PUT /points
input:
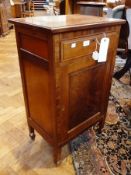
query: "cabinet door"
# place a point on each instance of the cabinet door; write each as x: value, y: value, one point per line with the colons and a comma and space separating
x: 83, y: 89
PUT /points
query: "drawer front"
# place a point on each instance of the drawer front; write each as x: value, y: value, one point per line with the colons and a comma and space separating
x: 76, y: 48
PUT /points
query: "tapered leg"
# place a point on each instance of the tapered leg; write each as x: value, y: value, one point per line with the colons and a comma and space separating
x: 31, y: 133
x: 101, y: 125
x: 57, y: 155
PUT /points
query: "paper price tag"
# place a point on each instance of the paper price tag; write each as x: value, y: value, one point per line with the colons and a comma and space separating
x: 103, y: 50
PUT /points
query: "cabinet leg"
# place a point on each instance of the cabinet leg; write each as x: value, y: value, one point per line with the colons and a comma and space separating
x: 31, y: 133
x: 57, y: 155
x: 101, y: 125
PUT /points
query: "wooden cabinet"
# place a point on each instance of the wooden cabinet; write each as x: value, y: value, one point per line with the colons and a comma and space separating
x: 18, y: 8
x: 4, y: 28
x: 66, y: 91
x: 8, y: 8
x: 128, y: 3
x: 90, y: 8
x: 79, y: 6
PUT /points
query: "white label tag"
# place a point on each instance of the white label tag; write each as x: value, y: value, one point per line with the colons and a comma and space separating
x: 73, y: 45
x: 103, y: 49
x: 86, y: 43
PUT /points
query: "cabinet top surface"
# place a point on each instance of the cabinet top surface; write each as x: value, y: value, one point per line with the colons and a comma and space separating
x: 64, y: 23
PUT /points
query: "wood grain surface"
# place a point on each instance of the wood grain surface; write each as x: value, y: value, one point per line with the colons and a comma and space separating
x: 64, y: 23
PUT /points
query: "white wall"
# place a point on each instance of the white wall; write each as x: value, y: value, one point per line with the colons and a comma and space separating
x: 129, y: 21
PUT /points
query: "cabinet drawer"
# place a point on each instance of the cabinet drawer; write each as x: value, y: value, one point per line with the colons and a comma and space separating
x: 76, y: 48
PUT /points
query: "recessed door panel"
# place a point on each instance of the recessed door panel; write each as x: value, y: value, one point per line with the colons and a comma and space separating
x: 85, y: 94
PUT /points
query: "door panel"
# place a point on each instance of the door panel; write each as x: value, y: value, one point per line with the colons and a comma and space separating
x: 82, y: 91
x: 85, y: 94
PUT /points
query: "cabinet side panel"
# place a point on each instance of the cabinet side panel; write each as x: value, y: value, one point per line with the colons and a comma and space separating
x: 35, y: 45
x: 38, y: 95
x: 34, y: 63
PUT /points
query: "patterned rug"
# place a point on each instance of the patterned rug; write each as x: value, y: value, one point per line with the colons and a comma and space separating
x: 108, y: 153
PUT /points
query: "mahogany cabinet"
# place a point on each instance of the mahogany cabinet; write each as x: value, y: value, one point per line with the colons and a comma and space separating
x: 66, y: 91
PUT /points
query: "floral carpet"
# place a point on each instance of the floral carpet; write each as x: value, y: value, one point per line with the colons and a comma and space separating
x: 108, y: 153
